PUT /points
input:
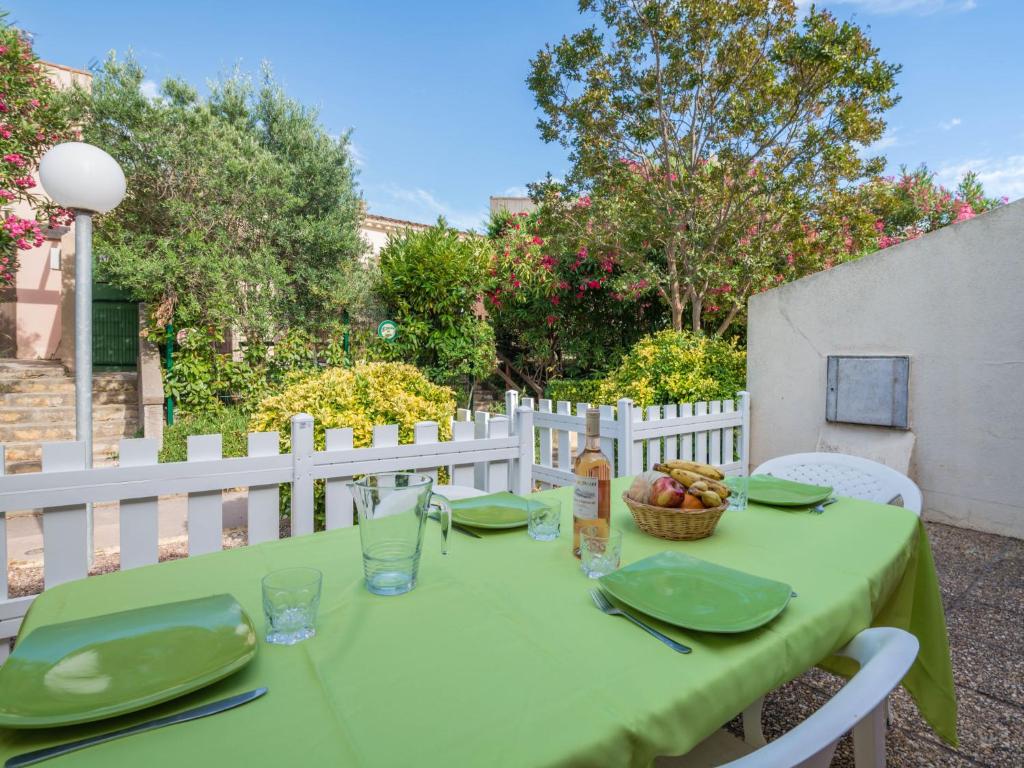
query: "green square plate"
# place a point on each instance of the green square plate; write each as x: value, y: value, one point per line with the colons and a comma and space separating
x: 91, y: 669
x: 496, y: 510
x: 778, y: 492
x: 695, y: 594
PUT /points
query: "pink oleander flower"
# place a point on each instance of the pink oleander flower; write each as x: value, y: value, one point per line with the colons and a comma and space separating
x: 593, y: 284
x: 7, y: 195
x: 6, y: 132
x: 550, y: 320
x: 556, y: 300
x: 15, y: 159
x: 537, y: 241
x: 25, y: 182
x: 583, y: 202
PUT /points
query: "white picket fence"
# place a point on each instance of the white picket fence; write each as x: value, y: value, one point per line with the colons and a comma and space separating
x: 485, y: 451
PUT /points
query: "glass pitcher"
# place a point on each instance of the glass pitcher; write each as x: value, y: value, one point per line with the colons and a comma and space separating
x: 393, y: 508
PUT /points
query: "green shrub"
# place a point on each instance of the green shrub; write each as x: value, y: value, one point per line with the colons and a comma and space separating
x: 230, y: 422
x: 430, y: 283
x: 674, y: 367
x: 573, y: 390
x: 358, y: 397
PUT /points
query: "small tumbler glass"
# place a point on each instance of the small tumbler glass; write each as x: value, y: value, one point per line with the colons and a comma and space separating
x: 544, y: 519
x: 600, y: 550
x: 290, y: 600
x: 738, y: 493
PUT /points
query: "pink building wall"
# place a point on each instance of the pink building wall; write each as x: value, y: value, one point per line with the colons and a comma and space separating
x: 44, y: 294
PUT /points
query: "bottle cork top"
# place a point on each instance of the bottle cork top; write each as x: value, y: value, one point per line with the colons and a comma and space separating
x: 593, y: 422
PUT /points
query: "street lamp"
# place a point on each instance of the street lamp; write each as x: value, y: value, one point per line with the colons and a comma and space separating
x: 86, y: 180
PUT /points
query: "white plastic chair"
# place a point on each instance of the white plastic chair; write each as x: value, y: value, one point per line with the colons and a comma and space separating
x: 848, y: 475
x: 885, y: 654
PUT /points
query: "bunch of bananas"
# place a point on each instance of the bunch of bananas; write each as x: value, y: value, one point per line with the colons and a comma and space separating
x: 701, y: 481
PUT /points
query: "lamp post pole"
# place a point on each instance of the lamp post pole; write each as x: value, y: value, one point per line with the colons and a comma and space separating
x: 83, y: 333
x: 86, y: 180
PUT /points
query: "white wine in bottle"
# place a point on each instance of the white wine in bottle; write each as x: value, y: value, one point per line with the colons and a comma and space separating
x: 591, y: 501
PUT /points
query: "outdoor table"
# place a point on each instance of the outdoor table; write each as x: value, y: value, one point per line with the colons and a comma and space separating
x: 498, y: 657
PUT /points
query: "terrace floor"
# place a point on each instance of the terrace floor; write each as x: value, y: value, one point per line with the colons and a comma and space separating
x: 982, y: 580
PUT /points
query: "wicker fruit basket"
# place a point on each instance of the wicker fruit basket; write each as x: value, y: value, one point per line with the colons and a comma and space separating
x: 675, y: 524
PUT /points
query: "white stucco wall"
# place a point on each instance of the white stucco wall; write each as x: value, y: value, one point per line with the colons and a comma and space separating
x: 953, y: 301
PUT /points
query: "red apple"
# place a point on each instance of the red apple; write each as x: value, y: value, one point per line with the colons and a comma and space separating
x: 667, y: 492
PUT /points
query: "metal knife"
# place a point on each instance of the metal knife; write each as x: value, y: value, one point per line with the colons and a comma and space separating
x: 30, y: 758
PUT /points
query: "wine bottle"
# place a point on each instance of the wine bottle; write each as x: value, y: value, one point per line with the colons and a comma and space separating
x: 591, y: 501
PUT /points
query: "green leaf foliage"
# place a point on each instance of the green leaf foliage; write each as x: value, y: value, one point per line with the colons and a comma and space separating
x: 241, y: 210
x: 676, y: 367
x: 430, y: 283
x: 358, y: 397
x: 231, y: 423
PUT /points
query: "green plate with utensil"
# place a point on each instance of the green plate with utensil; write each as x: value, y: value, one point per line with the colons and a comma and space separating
x: 496, y: 510
x: 778, y: 492
x: 100, y: 667
x: 695, y: 594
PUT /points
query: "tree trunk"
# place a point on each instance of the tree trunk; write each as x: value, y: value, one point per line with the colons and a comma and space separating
x: 696, y: 305
x: 675, y: 296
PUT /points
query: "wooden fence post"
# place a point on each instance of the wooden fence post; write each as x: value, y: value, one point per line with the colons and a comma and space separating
x: 511, y: 404
x: 65, y: 529
x: 139, y: 529
x: 745, y: 434
x: 206, y: 508
x: 263, y: 510
x: 337, y: 494
x: 624, y: 419
x: 523, y: 480
x: 302, y: 474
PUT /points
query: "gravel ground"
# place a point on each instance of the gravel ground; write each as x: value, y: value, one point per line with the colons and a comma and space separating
x: 982, y: 581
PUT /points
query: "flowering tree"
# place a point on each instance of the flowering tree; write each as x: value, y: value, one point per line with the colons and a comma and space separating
x: 725, y: 136
x: 30, y: 123
x: 559, y: 305
x: 912, y: 204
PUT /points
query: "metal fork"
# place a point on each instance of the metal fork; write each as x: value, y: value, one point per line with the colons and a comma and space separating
x: 602, y: 602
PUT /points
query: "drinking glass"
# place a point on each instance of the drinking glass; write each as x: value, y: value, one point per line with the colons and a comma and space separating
x: 290, y: 600
x: 738, y: 487
x: 543, y: 519
x: 600, y: 550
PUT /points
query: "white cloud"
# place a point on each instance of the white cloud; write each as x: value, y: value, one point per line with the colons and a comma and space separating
x: 150, y: 89
x: 358, y: 158
x: 423, y: 206
x: 516, y: 192
x: 948, y: 125
x: 999, y: 176
x: 886, y: 140
x: 919, y: 7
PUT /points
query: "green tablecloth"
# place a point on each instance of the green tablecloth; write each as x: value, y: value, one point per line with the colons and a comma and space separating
x: 499, y: 658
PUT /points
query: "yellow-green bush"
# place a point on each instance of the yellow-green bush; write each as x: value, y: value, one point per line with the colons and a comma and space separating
x: 358, y: 397
x: 673, y: 367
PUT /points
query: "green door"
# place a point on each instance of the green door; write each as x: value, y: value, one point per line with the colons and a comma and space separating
x: 115, y: 329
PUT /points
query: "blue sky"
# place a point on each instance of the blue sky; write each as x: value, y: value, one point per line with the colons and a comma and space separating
x: 436, y: 98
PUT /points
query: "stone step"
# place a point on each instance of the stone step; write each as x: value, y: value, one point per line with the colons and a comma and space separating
x: 64, y: 414
x: 27, y: 457
x: 46, y: 433
x: 57, y: 399
x: 65, y: 385
x: 30, y: 368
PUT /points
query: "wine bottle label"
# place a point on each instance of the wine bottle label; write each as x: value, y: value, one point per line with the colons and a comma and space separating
x: 584, y: 498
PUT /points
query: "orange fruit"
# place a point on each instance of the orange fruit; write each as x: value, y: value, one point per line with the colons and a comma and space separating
x: 692, y: 502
